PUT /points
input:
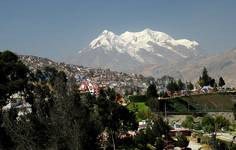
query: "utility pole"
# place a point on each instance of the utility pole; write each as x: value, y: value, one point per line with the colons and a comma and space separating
x: 165, y: 111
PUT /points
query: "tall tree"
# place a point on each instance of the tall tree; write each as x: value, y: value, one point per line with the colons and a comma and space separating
x: 188, y: 122
x: 205, y: 79
x: 189, y: 85
x: 116, y: 119
x: 152, y: 91
x: 13, y: 79
x: 213, y: 83
x: 172, y: 86
x: 181, y: 85
x: 59, y: 119
x: 13, y: 76
x: 153, y: 134
x: 152, y: 95
x: 212, y: 124
x: 182, y: 141
x: 221, y: 82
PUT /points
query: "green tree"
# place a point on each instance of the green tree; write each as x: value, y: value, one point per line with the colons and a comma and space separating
x: 152, y: 95
x: 157, y: 128
x: 59, y: 118
x: 152, y: 91
x: 205, y: 79
x: 13, y: 76
x: 116, y: 119
x: 221, y: 122
x: 188, y: 122
x: 181, y: 85
x: 212, y: 83
x: 208, y: 124
x: 172, y: 86
x: 13, y: 79
x: 154, y: 135
x: 221, y: 82
x: 212, y: 124
x: 190, y: 86
x: 163, y: 94
x: 141, y: 140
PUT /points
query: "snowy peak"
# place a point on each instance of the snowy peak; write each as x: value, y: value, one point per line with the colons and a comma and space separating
x: 157, y: 37
x: 152, y: 35
x: 108, y: 41
x: 134, y: 50
x: 103, y: 39
x: 145, y: 47
x: 139, y: 40
x: 187, y: 43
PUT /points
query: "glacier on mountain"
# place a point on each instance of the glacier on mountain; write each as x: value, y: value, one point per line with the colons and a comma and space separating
x: 133, y: 51
x: 148, y: 40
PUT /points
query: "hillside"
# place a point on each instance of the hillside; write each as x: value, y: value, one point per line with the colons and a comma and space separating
x: 120, y: 81
x: 223, y: 64
x: 155, y: 53
x: 215, y: 102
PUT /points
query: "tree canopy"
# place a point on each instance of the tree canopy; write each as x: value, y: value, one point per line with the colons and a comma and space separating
x: 152, y: 91
x: 174, y: 86
x: 205, y: 79
x: 189, y: 86
x: 221, y: 82
x: 212, y: 124
x: 13, y: 76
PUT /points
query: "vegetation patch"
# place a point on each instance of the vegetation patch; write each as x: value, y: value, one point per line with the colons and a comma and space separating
x: 138, y: 98
x: 142, y: 110
x: 204, y: 102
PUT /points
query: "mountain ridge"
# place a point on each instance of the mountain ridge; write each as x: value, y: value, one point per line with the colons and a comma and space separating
x: 218, y: 65
x: 132, y: 42
x: 139, y: 48
x: 151, y: 53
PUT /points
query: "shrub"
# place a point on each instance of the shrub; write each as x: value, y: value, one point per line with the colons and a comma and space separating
x: 182, y: 141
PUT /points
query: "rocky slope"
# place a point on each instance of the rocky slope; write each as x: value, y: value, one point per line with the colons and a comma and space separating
x: 223, y: 64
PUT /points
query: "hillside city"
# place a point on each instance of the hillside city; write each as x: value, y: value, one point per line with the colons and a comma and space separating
x: 140, y: 94
x: 117, y: 75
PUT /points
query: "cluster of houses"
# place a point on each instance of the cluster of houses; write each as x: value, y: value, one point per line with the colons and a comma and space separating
x: 121, y: 82
x: 88, y: 86
x: 93, y: 79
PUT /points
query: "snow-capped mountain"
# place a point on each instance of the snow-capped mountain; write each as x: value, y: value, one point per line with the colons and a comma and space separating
x: 135, y: 50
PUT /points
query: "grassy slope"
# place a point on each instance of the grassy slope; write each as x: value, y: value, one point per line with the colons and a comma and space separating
x: 137, y: 104
x: 203, y: 102
x: 215, y: 101
x: 140, y: 106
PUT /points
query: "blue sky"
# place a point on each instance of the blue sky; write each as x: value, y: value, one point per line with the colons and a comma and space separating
x: 58, y: 28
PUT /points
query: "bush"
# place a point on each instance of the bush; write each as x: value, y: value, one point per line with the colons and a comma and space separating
x: 188, y: 122
x: 159, y: 143
x: 182, y: 141
x: 138, y: 98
